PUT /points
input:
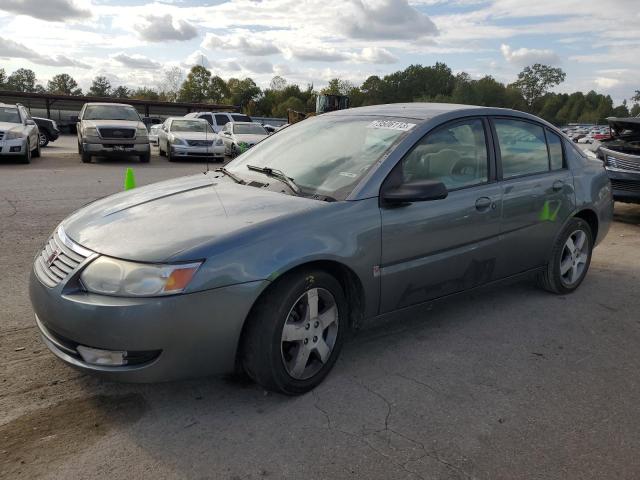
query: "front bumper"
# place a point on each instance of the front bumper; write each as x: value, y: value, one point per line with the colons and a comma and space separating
x: 189, y: 151
x: 625, y: 185
x: 176, y: 337
x: 116, y: 148
x: 13, y: 147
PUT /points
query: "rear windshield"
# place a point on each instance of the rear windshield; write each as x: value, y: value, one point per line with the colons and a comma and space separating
x: 249, y: 129
x: 111, y: 112
x: 9, y: 115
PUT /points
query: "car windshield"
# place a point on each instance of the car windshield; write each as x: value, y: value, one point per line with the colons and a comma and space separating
x: 325, y: 155
x: 248, y: 129
x: 190, y: 126
x: 111, y: 112
x: 9, y: 115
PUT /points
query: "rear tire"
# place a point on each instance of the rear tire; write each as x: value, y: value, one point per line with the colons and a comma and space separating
x: 289, y: 345
x: 570, y: 259
x: 44, y: 139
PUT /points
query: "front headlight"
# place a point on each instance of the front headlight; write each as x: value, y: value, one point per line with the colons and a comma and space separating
x: 90, y: 132
x: 108, y: 276
x: 219, y: 142
x: 178, y: 141
x: 13, y: 134
x: 142, y: 132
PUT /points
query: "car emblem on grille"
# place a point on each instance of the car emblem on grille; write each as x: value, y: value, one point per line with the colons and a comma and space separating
x: 53, y: 257
x: 117, y: 133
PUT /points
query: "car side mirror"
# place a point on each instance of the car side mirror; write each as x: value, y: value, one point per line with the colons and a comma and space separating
x: 416, y: 191
x: 29, y: 121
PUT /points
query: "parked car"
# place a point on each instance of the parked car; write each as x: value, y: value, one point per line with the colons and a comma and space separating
x: 270, y: 262
x: 189, y: 137
x: 154, y: 133
x: 239, y: 136
x: 48, y: 130
x: 217, y: 120
x: 19, y: 135
x: 112, y: 129
x: 621, y: 156
x: 150, y: 121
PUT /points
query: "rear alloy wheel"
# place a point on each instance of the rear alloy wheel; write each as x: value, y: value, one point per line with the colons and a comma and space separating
x: 295, y: 332
x: 570, y: 258
x: 44, y: 139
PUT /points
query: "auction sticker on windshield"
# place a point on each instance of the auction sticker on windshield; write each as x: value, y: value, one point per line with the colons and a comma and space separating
x: 391, y: 125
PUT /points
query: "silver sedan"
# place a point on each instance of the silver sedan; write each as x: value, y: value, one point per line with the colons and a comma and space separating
x: 189, y: 137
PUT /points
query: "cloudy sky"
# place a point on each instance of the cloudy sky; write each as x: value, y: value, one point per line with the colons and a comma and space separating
x: 311, y: 41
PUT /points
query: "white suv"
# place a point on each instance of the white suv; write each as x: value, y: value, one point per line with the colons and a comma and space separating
x: 217, y: 120
x: 19, y: 135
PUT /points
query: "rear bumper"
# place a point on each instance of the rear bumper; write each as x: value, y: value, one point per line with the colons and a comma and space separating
x: 169, y: 338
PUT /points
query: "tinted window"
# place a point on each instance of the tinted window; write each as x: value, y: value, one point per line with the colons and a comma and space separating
x: 523, y: 148
x: 9, y: 115
x: 190, y: 126
x: 455, y: 155
x: 208, y: 118
x: 555, y: 150
x: 111, y: 112
x: 248, y: 129
x: 240, y: 118
x: 221, y: 119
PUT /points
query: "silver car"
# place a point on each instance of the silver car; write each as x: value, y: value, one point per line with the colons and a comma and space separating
x: 189, y: 137
x: 112, y: 129
x: 240, y: 136
x: 270, y: 262
x: 19, y: 135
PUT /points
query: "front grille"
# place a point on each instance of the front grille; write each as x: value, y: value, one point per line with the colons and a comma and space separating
x: 58, y: 259
x: 626, y: 185
x: 200, y: 143
x: 622, y: 164
x: 119, y: 145
x: 117, y: 133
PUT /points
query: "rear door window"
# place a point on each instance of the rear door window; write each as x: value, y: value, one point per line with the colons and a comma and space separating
x: 208, y: 118
x: 556, y: 158
x: 221, y: 119
x: 523, y: 148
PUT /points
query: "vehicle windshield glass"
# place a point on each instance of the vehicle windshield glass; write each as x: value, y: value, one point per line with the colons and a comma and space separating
x: 248, y: 129
x: 111, y: 112
x: 190, y: 126
x: 9, y: 115
x: 325, y: 155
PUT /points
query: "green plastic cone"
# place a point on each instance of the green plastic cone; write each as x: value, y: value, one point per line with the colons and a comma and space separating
x: 129, y: 179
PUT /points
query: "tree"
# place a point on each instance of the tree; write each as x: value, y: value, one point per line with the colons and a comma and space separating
x: 100, y: 87
x: 277, y: 83
x: 241, y: 92
x: 3, y: 78
x: 635, y: 110
x: 533, y: 82
x: 145, y: 93
x: 170, y: 84
x: 218, y: 89
x: 196, y: 87
x: 337, y: 86
x: 121, y: 92
x: 63, y: 84
x: 636, y: 97
x: 22, y: 80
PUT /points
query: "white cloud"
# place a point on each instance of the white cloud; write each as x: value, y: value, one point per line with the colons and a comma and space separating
x: 528, y: 56
x: 136, y: 61
x: 197, y: 58
x: 242, y: 43
x: 377, y: 55
x: 52, y: 10
x: 606, y: 82
x: 165, y: 28
x: 12, y: 49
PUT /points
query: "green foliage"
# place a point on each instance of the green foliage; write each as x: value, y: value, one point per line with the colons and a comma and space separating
x: 196, y: 87
x: 63, y: 84
x: 533, y: 82
x: 22, y: 80
x: 145, y: 93
x: 3, y: 79
x: 121, y: 92
x: 100, y: 87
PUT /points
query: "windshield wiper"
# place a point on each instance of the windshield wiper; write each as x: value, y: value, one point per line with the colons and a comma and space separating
x: 232, y: 176
x: 279, y: 174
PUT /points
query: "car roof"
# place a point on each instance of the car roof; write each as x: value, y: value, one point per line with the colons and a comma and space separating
x: 108, y: 103
x: 246, y: 123
x: 425, y: 111
x: 8, y: 105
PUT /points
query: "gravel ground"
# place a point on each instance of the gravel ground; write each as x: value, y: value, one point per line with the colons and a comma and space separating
x: 504, y: 383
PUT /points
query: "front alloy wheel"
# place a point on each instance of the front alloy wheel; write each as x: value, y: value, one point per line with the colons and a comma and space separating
x: 295, y: 332
x: 309, y: 333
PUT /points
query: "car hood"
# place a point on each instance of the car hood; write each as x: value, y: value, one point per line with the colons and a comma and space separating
x: 114, y: 123
x: 195, y: 135
x: 621, y: 124
x: 248, y: 138
x: 157, y: 222
x: 7, y: 126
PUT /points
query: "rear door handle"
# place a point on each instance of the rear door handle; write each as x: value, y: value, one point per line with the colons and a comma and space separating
x: 483, y: 203
x: 558, y: 185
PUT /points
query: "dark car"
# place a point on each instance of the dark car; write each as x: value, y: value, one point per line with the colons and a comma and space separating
x: 621, y: 156
x: 49, y: 131
x: 270, y: 262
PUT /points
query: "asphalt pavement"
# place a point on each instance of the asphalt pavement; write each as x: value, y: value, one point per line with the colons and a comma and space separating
x: 504, y: 383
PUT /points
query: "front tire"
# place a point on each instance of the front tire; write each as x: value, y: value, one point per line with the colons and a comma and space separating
x: 169, y: 154
x: 36, y: 151
x: 295, y: 332
x: 570, y: 259
x: 86, y: 157
x: 26, y: 158
x: 145, y: 157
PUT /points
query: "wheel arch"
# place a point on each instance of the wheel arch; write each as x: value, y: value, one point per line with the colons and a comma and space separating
x: 591, y: 217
